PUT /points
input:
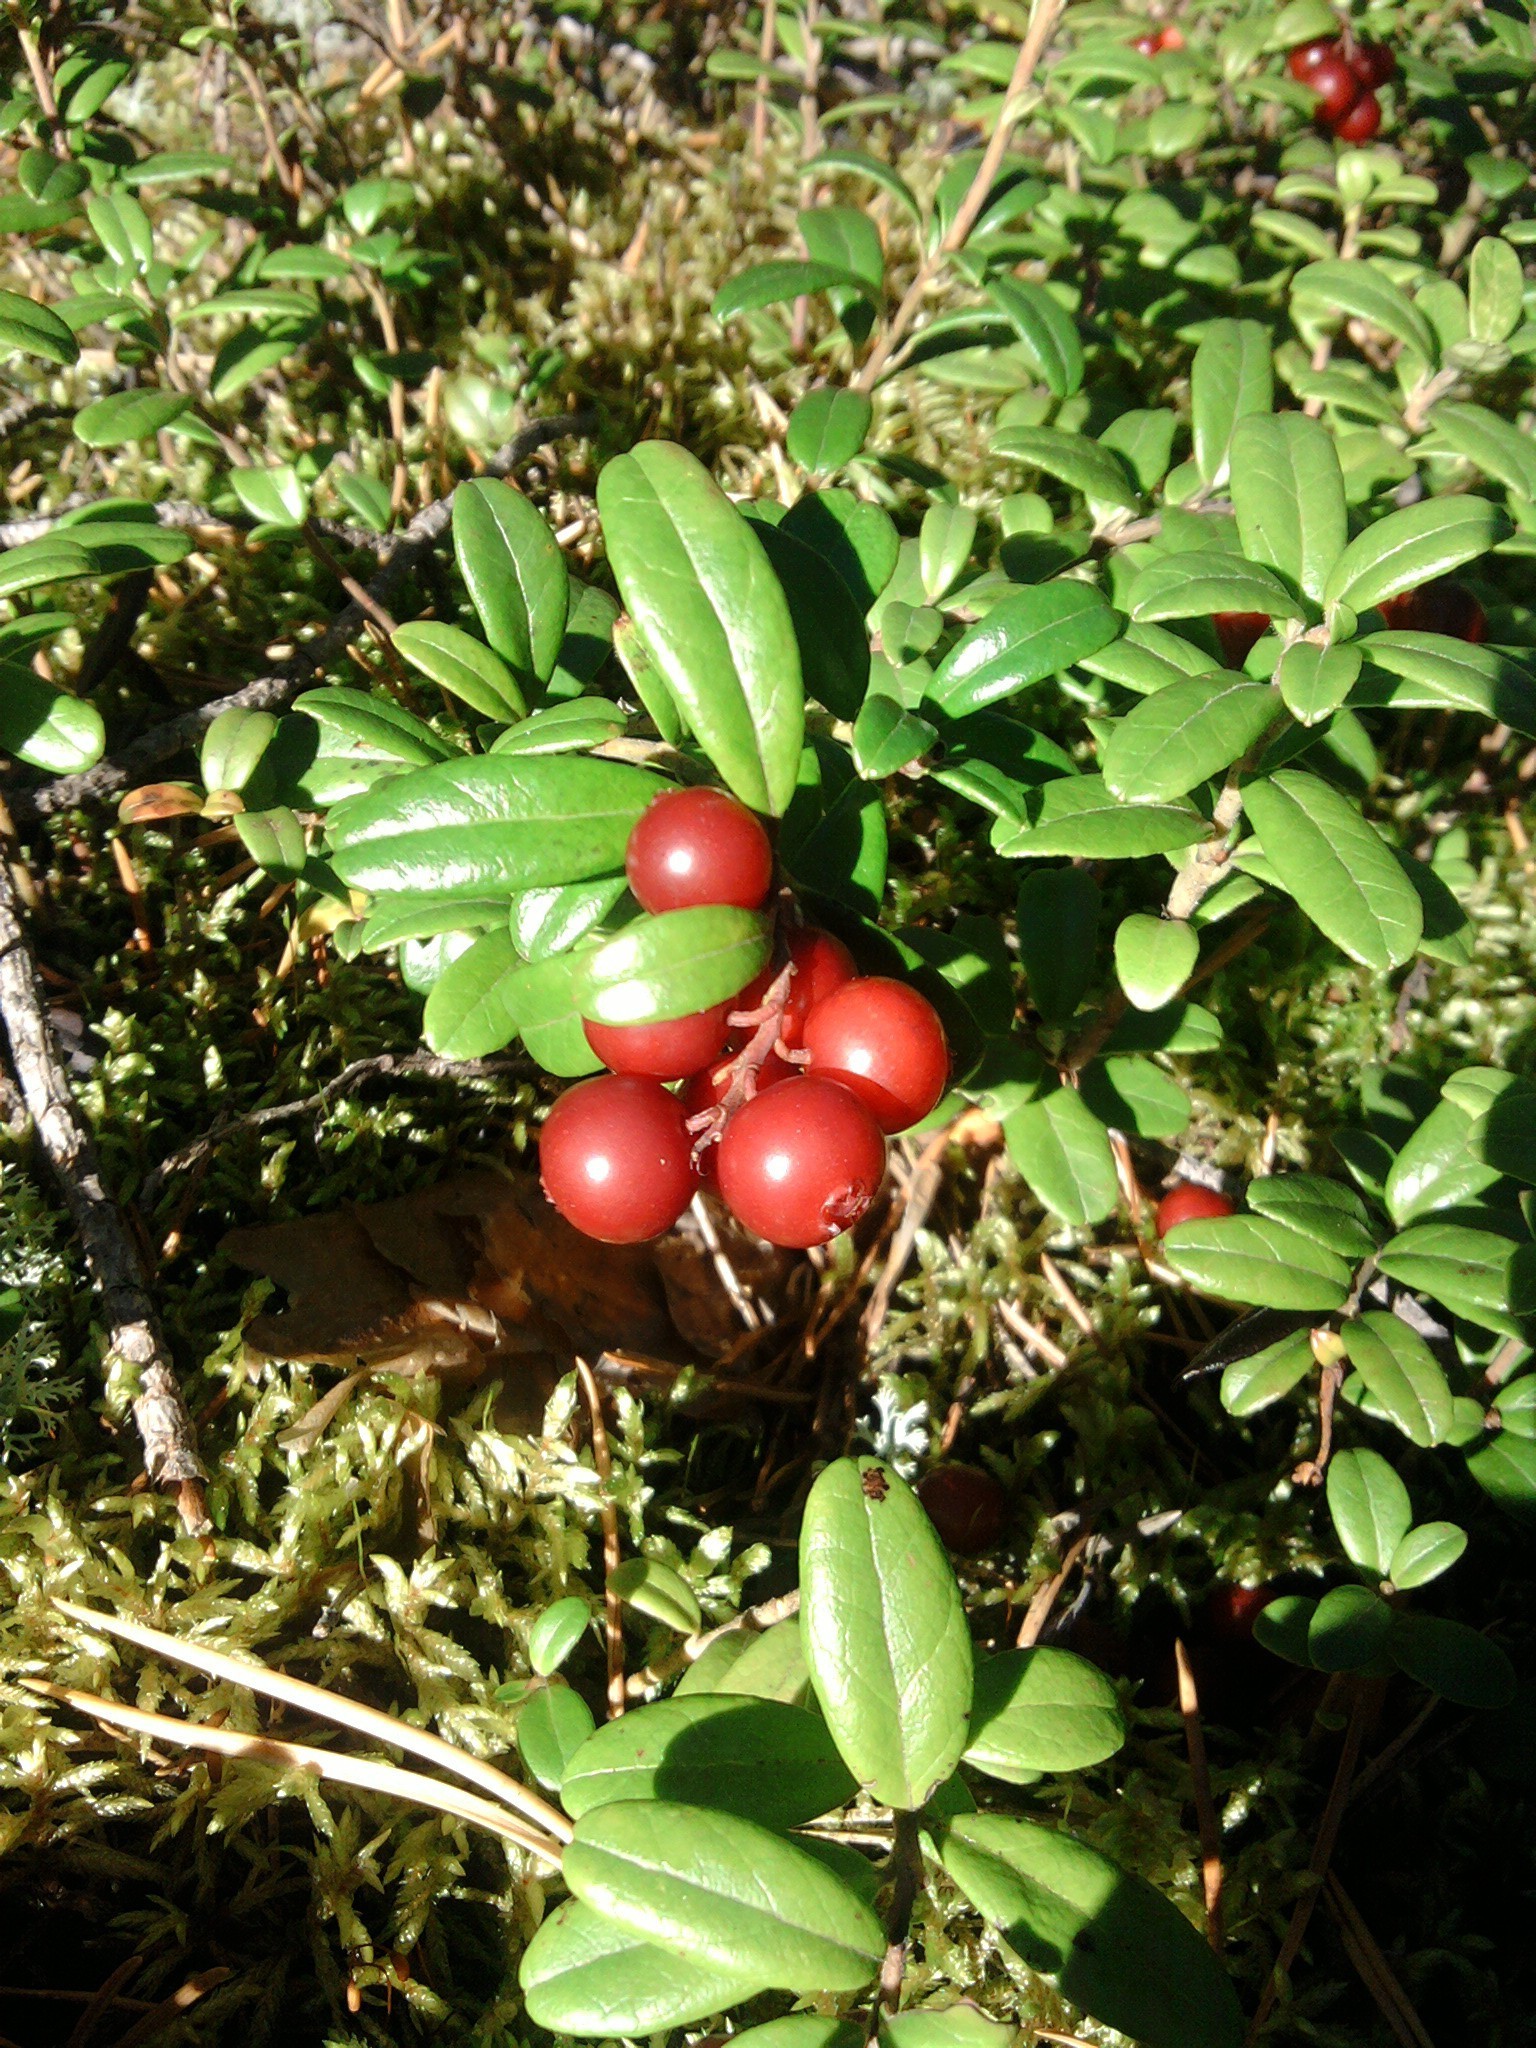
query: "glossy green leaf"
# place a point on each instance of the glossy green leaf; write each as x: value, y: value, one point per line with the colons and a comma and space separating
x: 1288, y: 497
x: 1046, y: 330
x: 1414, y: 546
x: 1495, y: 289
x: 1327, y: 1211
x: 829, y: 629
x: 551, y: 1727
x: 1402, y: 1376
x: 1432, y: 672
x: 555, y: 1633
x: 1257, y: 1261
x: 548, y: 921
x: 1135, y: 1096
x: 861, y: 164
x: 470, y: 1012
x: 655, y: 1589
x: 1357, y: 289
x: 948, y: 2026
x: 233, y: 746
x: 1118, y: 1949
x: 459, y: 663
x: 759, y: 1758
x: 122, y: 227
x: 1063, y: 1152
x: 1154, y: 957
x: 1282, y: 1626
x: 1041, y: 1710
x: 834, y: 835
x: 515, y: 574
x: 1425, y: 1552
x: 1083, y: 465
x: 1076, y: 815
x: 771, y: 1666
x: 1194, y: 729
x: 944, y: 544
x: 44, y: 726
x: 1148, y: 658
x: 770, y: 284
x: 53, y: 559
x: 696, y: 581
x: 1058, y: 911
x: 1198, y: 584
x: 272, y: 497
x: 571, y: 725
x: 1370, y: 1508
x: 725, y: 1891
x: 1498, y: 448
x: 1314, y: 681
x: 855, y: 539
x: 275, y: 840
x: 371, y: 727
x: 827, y: 429
x: 1486, y: 1278
x: 124, y: 416
x: 545, y: 996
x: 1230, y: 379
x: 674, y: 964
x: 1452, y: 1660
x: 35, y: 330
x: 886, y: 737
x: 1256, y: 1382
x: 585, y: 1976
x: 884, y: 1631
x: 1442, y: 1165
x: 1337, y: 866
x: 1033, y: 633
x: 1348, y: 1629
x: 395, y: 920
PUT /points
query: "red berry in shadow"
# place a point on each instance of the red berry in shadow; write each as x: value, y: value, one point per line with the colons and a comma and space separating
x: 1230, y: 1611
x: 668, y: 1051
x: 1439, y: 607
x: 821, y: 963
x: 967, y: 1506
x: 1337, y: 89
x: 1373, y: 64
x: 1306, y: 57
x: 1187, y: 1202
x: 801, y: 1163
x: 1361, y: 121
x: 615, y: 1159
x: 693, y: 846
x: 1238, y: 633
x: 884, y: 1041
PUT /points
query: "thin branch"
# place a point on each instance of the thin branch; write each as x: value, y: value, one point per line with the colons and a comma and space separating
x: 906, y: 1866
x: 613, y: 1606
x: 331, y: 1706
x: 135, y: 1339
x: 1205, y: 1807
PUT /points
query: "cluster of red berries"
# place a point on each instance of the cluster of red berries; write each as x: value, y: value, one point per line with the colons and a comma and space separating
x: 790, y: 1087
x: 1157, y: 40
x: 1344, y: 74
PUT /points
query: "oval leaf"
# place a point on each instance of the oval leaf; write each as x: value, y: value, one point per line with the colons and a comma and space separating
x: 583, y: 1975
x: 1031, y: 634
x: 1414, y: 546
x: 1252, y: 1260
x: 515, y: 574
x: 1337, y: 866
x: 1041, y: 1710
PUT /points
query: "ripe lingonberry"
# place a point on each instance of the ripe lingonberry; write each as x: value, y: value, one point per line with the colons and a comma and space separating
x: 1187, y: 1202
x: 706, y: 1090
x: 694, y: 846
x: 967, y: 1506
x: 1336, y: 86
x: 1231, y: 1610
x: 1238, y: 633
x: 1373, y: 64
x: 801, y: 1163
x: 1306, y: 57
x: 616, y: 1160
x: 884, y: 1041
x: 1443, y: 606
x: 821, y: 963
x: 1361, y: 121
x: 667, y: 1052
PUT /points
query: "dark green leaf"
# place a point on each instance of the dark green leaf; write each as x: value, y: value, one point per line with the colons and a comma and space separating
x: 1058, y: 911
x: 43, y: 726
x: 770, y: 284
x: 766, y: 1761
x: 1032, y: 634
x: 551, y: 1728
x: 1264, y: 1377
x: 673, y: 964
x: 35, y: 330
x: 1425, y: 1552
x: 125, y: 416
x: 1204, y: 581
x: 1063, y: 1152
x: 515, y: 575
x: 1045, y: 328
x: 1488, y: 1279
x: 1327, y: 1211
x: 1348, y: 1629
x: 462, y: 665
x: 1452, y: 1660
x: 470, y: 1011
x: 827, y: 429
x: 1253, y: 1260
x: 829, y: 630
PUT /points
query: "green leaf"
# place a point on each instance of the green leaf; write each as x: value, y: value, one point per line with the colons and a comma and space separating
x: 949, y: 2026
x: 1337, y: 866
x: 884, y: 1631
x: 462, y: 665
x: 468, y: 827
x: 1414, y: 546
x: 1118, y: 1949
x: 515, y: 574
x: 1063, y: 1152
x: 470, y: 1012
x: 35, y: 330
x: 1327, y: 1211
x: 834, y: 836
x: 1148, y: 658
x: 1254, y: 1260
x: 1198, y: 584
x: 372, y: 727
x: 1041, y: 1710
x: 1264, y: 1377
x: 585, y: 1976
x: 122, y: 227
x: 1196, y: 728
x: 771, y: 1666
x: 551, y: 1728
x: 571, y: 725
x: 264, y: 301
x: 1348, y: 1629
x: 273, y: 497
x: 725, y: 1891
x: 1135, y: 1096
x: 1402, y: 1376
x: 1452, y: 1660
x: 252, y: 352
x: 761, y: 1759
x: 1154, y: 957
x: 886, y: 737
x: 770, y: 284
x: 655, y: 1589
x: 827, y: 429
x: 1495, y: 289
x: 233, y: 746
x: 673, y: 964
x: 1077, y: 816
x: 395, y: 920
x: 1499, y: 449
x: 1288, y: 496
x: 944, y: 544
x: 1443, y: 1165
x: 855, y: 539
x: 829, y: 628
x: 1282, y: 1627
x: 1424, y: 1553
x: 1314, y: 681
x: 555, y: 1633
x: 1370, y: 1508
x: 275, y: 841
x: 1046, y: 330
x: 1432, y: 672
x: 861, y: 164
x: 1231, y: 378
x: 1058, y: 911
x: 43, y: 726
x: 374, y: 200
x: 1031, y: 634
x: 1083, y: 465
x: 1488, y: 1279
x: 53, y: 559
x: 125, y: 416
x: 1357, y: 289
x: 696, y: 581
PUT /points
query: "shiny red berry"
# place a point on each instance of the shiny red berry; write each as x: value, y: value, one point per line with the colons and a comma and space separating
x: 884, y: 1041
x: 693, y: 846
x: 1238, y: 633
x: 667, y: 1052
x: 967, y: 1506
x: 1231, y: 1611
x: 1373, y: 64
x: 1171, y: 39
x: 1337, y: 89
x: 1306, y: 57
x: 615, y: 1159
x: 821, y: 963
x: 705, y: 1091
x: 801, y: 1163
x: 1187, y: 1202
x: 1361, y: 121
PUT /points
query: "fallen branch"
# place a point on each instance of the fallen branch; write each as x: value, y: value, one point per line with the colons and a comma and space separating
x: 135, y: 1339
x: 282, y: 684
x: 1205, y: 1805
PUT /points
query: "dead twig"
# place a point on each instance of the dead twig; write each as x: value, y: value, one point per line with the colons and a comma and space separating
x: 1038, y: 1612
x: 1205, y: 1808
x: 1375, y: 1972
x: 613, y: 1606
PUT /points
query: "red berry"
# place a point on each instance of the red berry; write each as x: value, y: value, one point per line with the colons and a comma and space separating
x: 884, y: 1041
x: 1238, y: 634
x: 967, y: 1506
x: 1147, y: 45
x: 1187, y: 1202
x: 821, y: 964
x: 1171, y: 39
x: 616, y: 1160
x: 705, y: 1090
x: 1230, y: 1611
x: 1373, y: 64
x: 1439, y: 607
x: 667, y: 1052
x: 801, y: 1163
x: 695, y: 846
x: 1361, y: 121
x: 1306, y: 57
x: 1337, y: 89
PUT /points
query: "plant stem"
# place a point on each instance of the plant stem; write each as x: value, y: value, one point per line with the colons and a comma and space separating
x: 906, y: 1867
